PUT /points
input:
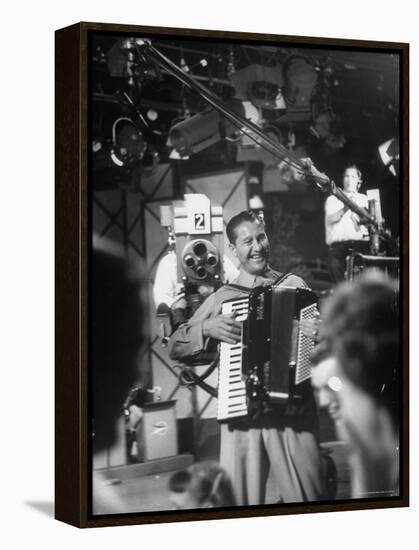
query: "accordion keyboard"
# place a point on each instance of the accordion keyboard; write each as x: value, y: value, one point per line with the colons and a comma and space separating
x: 231, y: 386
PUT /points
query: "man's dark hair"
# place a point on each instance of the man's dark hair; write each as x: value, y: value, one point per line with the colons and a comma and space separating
x: 245, y: 216
x: 206, y: 483
x: 179, y: 481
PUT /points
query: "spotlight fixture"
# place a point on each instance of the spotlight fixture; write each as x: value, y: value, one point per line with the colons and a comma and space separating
x: 202, y: 130
x: 259, y: 84
x: 301, y: 78
x: 195, y: 133
x: 128, y: 145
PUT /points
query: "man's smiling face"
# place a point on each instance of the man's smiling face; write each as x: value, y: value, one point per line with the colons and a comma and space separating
x: 251, y: 247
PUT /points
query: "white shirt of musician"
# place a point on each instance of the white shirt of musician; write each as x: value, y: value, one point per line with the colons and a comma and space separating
x: 348, y: 227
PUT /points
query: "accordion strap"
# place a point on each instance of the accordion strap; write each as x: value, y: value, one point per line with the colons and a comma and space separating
x: 282, y: 278
x: 247, y: 290
x: 237, y: 287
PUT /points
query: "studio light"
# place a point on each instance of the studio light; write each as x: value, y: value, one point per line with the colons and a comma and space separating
x: 260, y: 84
x: 202, y: 130
x: 301, y: 79
x: 195, y: 133
x: 128, y: 142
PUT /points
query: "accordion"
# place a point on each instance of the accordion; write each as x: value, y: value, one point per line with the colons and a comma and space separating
x: 271, y: 364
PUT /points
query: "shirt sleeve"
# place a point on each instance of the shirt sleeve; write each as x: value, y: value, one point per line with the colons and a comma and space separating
x: 332, y: 205
x: 165, y: 282
x: 188, y: 341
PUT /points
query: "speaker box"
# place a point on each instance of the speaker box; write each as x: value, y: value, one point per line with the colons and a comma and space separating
x: 158, y: 430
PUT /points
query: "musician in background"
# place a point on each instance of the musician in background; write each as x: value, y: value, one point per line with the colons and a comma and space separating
x: 344, y: 232
x: 361, y: 326
x: 281, y: 440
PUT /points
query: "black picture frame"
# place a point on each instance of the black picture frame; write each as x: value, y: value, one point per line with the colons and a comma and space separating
x: 72, y: 247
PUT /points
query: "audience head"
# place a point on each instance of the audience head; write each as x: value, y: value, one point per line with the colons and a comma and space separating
x: 116, y: 321
x: 324, y: 379
x: 203, y: 485
x: 361, y: 327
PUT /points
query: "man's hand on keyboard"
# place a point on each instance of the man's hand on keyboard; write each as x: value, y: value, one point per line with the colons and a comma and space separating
x: 222, y: 327
x: 311, y: 327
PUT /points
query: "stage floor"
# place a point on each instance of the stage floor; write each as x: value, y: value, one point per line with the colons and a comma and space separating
x: 150, y: 493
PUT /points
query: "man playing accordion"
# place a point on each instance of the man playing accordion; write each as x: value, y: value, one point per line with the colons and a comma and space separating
x: 281, y: 440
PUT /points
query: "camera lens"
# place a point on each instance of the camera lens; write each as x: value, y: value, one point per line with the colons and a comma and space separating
x: 200, y: 249
x: 201, y: 272
x: 189, y: 261
x: 212, y: 260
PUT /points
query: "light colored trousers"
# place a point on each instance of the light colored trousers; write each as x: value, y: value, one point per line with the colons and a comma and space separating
x: 248, y: 455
